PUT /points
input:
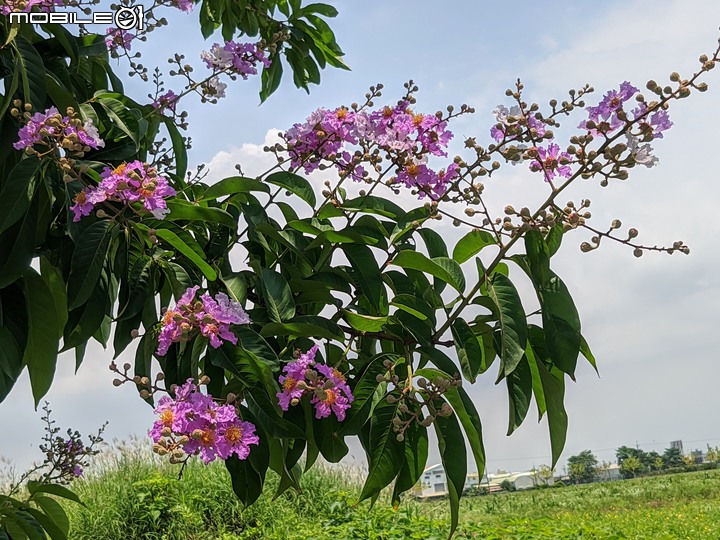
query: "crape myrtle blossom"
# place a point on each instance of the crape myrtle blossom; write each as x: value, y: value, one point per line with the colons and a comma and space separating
x: 550, y: 161
x: 168, y: 100
x: 407, y: 136
x: 503, y: 115
x: 53, y: 130
x: 117, y: 38
x: 194, y: 422
x: 213, y: 88
x: 641, y: 154
x: 10, y: 6
x: 182, y: 5
x: 134, y: 182
x: 327, y: 386
x: 240, y: 58
x: 608, y: 115
x: 653, y: 123
x: 210, y: 316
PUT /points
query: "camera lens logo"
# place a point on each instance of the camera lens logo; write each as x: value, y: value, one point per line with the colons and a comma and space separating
x: 127, y: 18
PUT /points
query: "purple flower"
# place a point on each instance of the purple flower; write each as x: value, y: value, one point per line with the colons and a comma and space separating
x: 168, y: 100
x: 427, y: 181
x: 27, y: 5
x: 195, y: 423
x: 211, y: 316
x: 240, y: 58
x: 549, y: 161
x: 117, y: 38
x: 55, y: 131
x: 213, y: 88
x: 330, y: 393
x: 605, y: 114
x: 183, y: 5
x: 652, y: 124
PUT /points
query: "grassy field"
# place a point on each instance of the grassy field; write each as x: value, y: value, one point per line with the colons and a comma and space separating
x: 133, y: 498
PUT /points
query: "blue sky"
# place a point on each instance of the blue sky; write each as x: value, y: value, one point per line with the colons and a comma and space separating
x: 651, y: 322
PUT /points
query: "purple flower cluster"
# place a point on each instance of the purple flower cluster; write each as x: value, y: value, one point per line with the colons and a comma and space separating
x: 329, y: 390
x: 240, y: 58
x: 134, y: 182
x: 607, y: 114
x: 195, y: 423
x: 117, y: 38
x: 211, y: 316
x: 10, y: 6
x: 183, y: 5
x: 57, y: 131
x: 396, y: 130
x: 168, y: 100
x: 651, y: 123
x: 552, y: 162
x: 74, y: 450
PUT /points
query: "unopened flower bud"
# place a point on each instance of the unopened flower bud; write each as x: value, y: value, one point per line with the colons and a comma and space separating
x: 166, y: 431
x: 638, y: 252
x: 400, y: 437
x: 391, y: 399
x: 230, y: 398
x: 616, y: 224
x: 144, y: 394
x: 126, y: 366
x: 134, y: 333
x: 117, y: 382
x: 632, y: 233
x: 204, y: 380
x: 294, y: 401
x: 585, y: 247
x: 196, y: 435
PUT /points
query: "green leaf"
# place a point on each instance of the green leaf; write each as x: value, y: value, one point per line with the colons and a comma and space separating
x: 54, y: 511
x: 264, y: 411
x: 375, y: 205
x: 17, y: 190
x: 277, y: 295
x: 52, y: 275
x: 179, y: 147
x: 365, y: 272
x: 519, y: 384
x: 53, y: 489
x: 442, y: 268
x: 247, y: 483
x: 47, y: 524
x: 234, y: 185
x: 468, y: 348
x: 330, y: 440
x: 513, y: 324
x: 17, y: 247
x: 587, y: 353
x: 364, y: 323
x: 385, y: 452
x: 44, y: 332
x: 454, y: 460
x: 553, y: 384
x: 471, y: 244
x: 176, y: 242
x: 121, y: 117
x: 32, y: 72
x: 561, y: 323
x: 185, y: 211
x: 554, y: 238
x: 88, y: 260
x: 295, y: 184
x: 305, y: 326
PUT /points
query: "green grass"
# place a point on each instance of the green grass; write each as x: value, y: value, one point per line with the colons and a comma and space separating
x: 134, y: 497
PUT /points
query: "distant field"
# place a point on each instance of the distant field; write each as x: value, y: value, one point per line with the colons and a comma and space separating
x: 135, y: 499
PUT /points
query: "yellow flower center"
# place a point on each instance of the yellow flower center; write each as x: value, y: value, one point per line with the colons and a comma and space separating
x: 289, y: 384
x: 81, y: 197
x: 120, y: 169
x: 233, y: 434
x: 166, y: 417
x: 387, y: 112
x: 330, y: 397
x: 168, y: 317
x: 413, y: 170
x: 341, y: 113
x: 338, y: 375
x: 417, y: 119
x: 207, y: 438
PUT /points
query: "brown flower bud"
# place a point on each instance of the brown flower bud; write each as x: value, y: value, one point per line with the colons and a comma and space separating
x: 638, y: 252
x: 632, y: 233
x: 117, y: 382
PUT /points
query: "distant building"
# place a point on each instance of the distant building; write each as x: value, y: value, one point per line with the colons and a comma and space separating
x: 678, y: 445
x: 433, y: 481
x: 610, y: 473
x: 698, y: 457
